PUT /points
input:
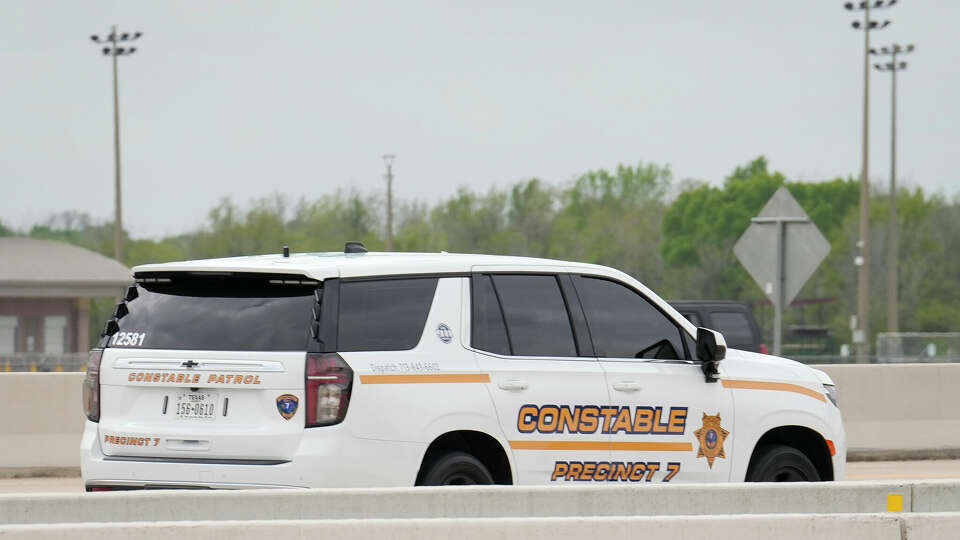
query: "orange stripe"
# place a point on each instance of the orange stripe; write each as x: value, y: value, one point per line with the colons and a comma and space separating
x: 783, y: 387
x: 603, y: 445
x: 416, y: 378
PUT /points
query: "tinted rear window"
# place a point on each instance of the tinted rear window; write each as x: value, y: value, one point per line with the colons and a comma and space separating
x: 384, y: 315
x: 217, y: 313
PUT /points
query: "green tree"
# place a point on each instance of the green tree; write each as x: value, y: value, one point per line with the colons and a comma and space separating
x: 614, y: 219
x: 470, y: 223
x: 621, y: 218
x: 530, y: 214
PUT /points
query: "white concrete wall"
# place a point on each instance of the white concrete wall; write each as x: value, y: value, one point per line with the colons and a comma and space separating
x: 782, y: 527
x: 41, y: 419
x: 899, y: 406
x: 849, y: 510
x: 481, y: 502
x: 888, y: 407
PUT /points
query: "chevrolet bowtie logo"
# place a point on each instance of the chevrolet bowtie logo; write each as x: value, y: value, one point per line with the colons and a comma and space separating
x: 190, y: 364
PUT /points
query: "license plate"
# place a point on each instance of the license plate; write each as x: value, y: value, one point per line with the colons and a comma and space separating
x: 202, y: 405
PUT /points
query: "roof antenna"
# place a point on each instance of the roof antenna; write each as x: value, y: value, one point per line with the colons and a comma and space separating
x: 286, y: 252
x: 354, y: 247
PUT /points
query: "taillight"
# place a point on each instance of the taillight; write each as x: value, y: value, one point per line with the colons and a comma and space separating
x: 764, y: 349
x: 328, y: 383
x: 91, y: 386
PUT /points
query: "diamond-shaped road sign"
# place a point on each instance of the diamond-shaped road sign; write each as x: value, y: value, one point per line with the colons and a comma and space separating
x: 804, y: 247
x: 780, y: 249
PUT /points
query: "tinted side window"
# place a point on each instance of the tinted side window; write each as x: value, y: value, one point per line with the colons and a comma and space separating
x: 536, y: 315
x: 489, y: 331
x: 734, y: 326
x: 384, y: 315
x: 623, y: 324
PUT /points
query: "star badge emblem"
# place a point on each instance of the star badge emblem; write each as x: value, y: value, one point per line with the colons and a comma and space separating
x: 711, y: 437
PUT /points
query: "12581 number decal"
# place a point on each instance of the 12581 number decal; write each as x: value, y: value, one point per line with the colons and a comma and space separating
x: 128, y: 339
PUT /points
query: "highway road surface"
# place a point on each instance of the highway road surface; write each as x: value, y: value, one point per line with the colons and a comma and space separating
x: 862, y: 470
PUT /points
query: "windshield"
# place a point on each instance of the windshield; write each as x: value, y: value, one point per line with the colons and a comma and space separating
x: 230, y: 313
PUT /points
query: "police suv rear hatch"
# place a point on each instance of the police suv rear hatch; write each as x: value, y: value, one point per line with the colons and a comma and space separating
x: 207, y: 366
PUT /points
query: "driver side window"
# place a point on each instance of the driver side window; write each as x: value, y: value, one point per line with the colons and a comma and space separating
x: 624, y: 324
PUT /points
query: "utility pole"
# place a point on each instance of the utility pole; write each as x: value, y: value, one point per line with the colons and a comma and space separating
x: 893, y: 318
x: 388, y: 159
x: 861, y: 333
x: 111, y: 49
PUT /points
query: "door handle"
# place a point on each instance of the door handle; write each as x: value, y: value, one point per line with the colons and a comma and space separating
x: 513, y: 385
x: 626, y: 386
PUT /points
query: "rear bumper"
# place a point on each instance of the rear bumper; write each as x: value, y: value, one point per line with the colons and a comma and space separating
x: 326, y: 457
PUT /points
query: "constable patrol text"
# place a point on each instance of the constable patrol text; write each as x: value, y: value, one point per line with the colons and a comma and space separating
x: 192, y: 378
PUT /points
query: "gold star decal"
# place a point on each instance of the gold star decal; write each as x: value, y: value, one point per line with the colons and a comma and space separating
x: 711, y: 437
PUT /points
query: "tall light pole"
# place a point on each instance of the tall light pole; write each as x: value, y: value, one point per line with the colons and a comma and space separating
x: 388, y: 159
x: 893, y: 318
x: 111, y: 49
x: 862, y: 332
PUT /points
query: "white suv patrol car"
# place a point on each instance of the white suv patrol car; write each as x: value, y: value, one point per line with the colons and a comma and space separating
x: 381, y: 369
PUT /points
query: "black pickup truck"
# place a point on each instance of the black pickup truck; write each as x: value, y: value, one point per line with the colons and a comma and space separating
x: 734, y: 320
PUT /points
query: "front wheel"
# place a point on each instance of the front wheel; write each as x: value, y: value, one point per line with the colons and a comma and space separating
x: 456, y: 469
x: 781, y: 463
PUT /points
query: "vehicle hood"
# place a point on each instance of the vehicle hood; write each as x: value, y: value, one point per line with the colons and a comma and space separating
x: 739, y: 364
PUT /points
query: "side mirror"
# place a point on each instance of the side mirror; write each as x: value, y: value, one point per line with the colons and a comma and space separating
x: 711, y: 349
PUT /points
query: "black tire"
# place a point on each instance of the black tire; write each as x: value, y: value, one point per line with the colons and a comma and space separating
x: 781, y: 463
x: 456, y: 469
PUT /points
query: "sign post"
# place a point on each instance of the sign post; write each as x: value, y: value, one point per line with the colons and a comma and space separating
x: 781, y: 249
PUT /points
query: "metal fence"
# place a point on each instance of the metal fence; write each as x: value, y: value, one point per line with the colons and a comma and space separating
x: 900, y: 347
x: 41, y: 362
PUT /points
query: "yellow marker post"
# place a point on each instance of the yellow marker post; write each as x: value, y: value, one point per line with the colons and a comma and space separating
x: 894, y: 502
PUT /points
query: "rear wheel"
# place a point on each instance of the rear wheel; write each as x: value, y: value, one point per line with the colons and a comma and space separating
x: 781, y: 463
x: 456, y: 469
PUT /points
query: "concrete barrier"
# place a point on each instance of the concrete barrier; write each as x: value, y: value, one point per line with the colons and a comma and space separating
x: 890, y: 411
x: 41, y: 423
x: 784, y: 527
x: 931, y: 526
x: 481, y: 502
x: 901, y: 411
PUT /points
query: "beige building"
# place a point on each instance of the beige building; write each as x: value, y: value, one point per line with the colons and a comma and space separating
x: 45, y: 292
